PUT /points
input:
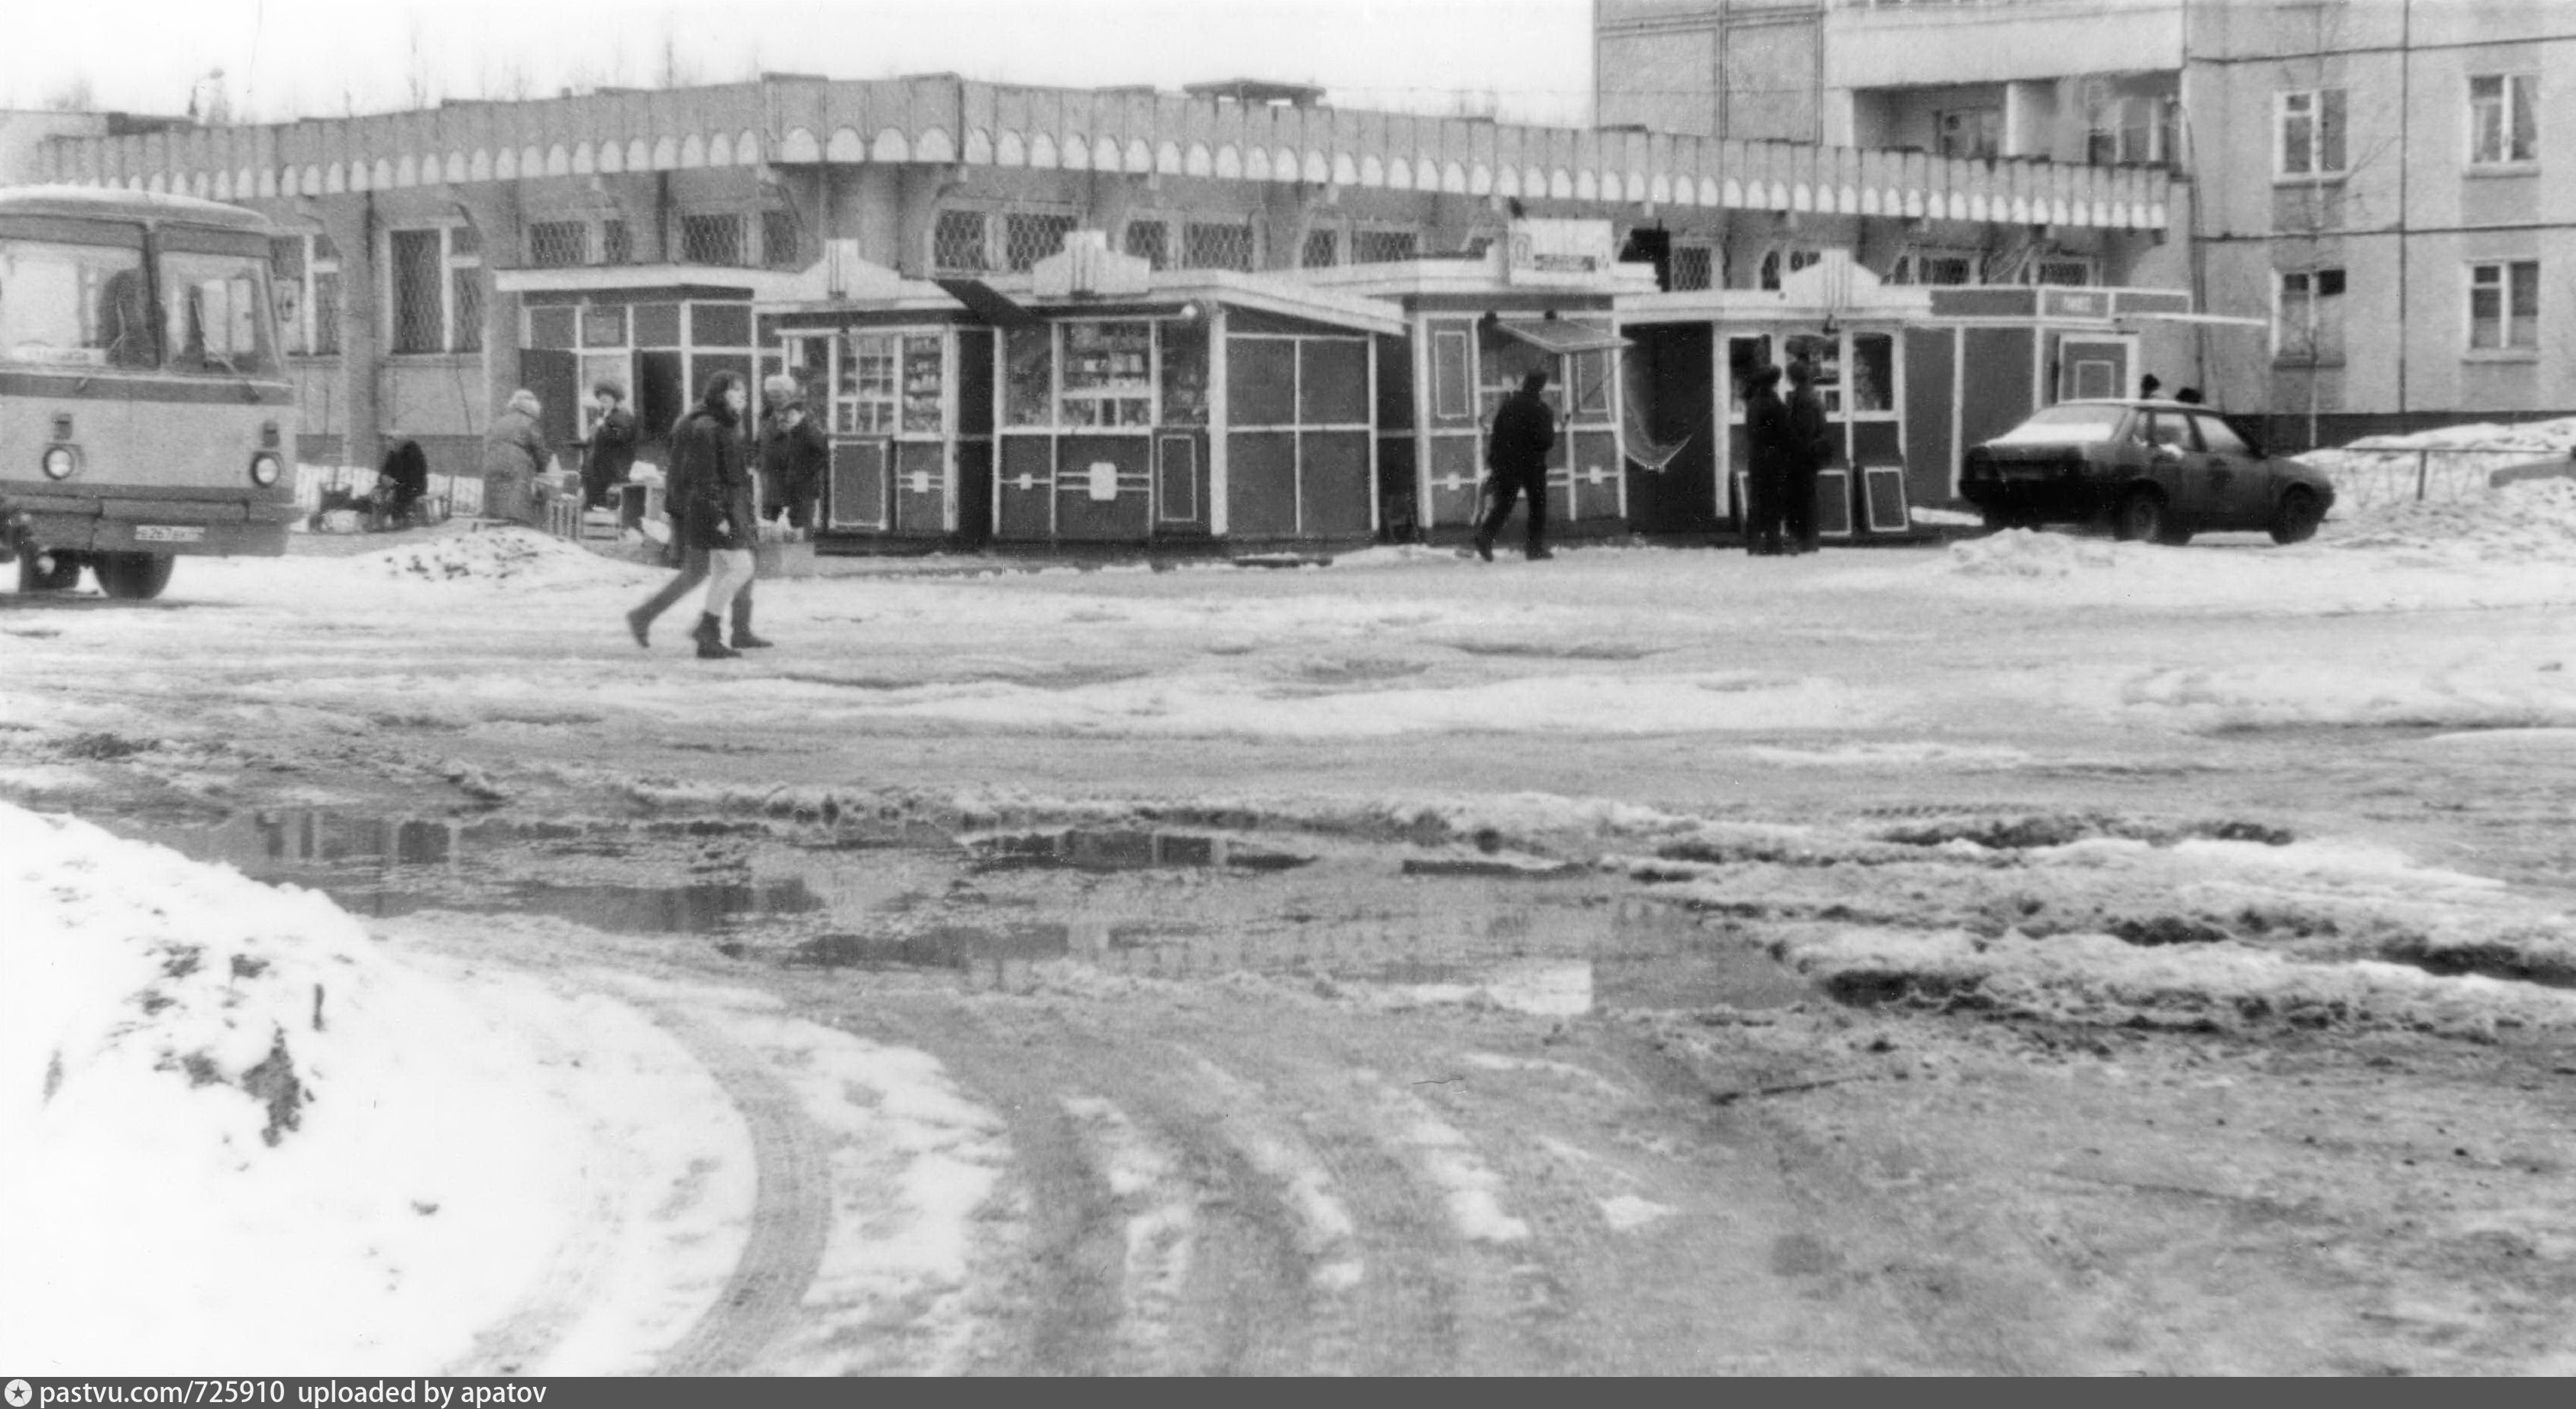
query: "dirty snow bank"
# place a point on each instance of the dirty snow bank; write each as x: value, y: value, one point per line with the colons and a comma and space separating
x: 2386, y: 469
x: 242, y: 1138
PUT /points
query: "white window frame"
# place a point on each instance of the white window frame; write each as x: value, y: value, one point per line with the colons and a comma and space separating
x: 2508, y: 84
x: 2287, y: 104
x: 1942, y: 116
x: 449, y: 261
x: 308, y: 321
x: 2307, y: 350
x: 2505, y: 348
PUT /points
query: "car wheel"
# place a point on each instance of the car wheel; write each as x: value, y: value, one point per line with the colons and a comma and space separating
x: 2297, y: 519
x: 64, y: 577
x: 2140, y: 517
x: 134, y: 576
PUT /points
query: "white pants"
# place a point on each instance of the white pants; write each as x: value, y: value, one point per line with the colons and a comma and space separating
x: 729, y: 570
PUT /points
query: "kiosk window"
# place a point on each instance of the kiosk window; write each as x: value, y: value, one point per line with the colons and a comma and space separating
x: 864, y: 401
x: 1744, y: 357
x: 1028, y: 388
x: 1872, y: 380
x: 1108, y: 374
x: 922, y: 385
x: 1185, y: 373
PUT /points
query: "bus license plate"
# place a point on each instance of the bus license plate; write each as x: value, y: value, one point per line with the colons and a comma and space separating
x: 169, y: 533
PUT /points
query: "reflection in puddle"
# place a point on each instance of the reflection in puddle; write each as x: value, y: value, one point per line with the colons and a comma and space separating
x: 1103, y: 849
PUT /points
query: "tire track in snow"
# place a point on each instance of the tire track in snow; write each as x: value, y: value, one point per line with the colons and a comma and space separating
x: 1161, y: 1213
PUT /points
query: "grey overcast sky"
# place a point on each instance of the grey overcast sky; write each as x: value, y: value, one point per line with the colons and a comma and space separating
x: 293, y: 58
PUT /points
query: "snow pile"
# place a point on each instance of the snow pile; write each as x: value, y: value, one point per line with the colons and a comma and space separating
x: 239, y: 1139
x: 505, y: 554
x: 2022, y: 553
x: 2532, y: 521
x: 2450, y: 462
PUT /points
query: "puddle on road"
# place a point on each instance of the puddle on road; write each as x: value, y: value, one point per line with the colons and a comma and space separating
x: 902, y: 895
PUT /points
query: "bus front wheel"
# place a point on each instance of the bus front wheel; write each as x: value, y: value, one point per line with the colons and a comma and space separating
x: 137, y: 576
x: 33, y: 577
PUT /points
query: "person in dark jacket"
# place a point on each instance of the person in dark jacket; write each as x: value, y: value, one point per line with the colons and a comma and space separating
x: 793, y: 456
x: 611, y: 454
x: 1516, y: 455
x: 1767, y: 451
x: 708, y: 498
x: 400, y: 482
x: 1811, y: 448
x: 514, y: 454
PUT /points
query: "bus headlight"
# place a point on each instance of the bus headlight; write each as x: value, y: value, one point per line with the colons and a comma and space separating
x: 263, y: 470
x: 60, y: 462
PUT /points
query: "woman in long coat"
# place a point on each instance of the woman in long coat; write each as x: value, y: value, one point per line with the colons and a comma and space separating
x: 712, y: 499
x: 514, y: 452
x: 1767, y: 451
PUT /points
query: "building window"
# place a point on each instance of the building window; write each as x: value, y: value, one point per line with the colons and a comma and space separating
x: 2310, y: 130
x: 1148, y: 240
x: 2503, y: 118
x: 1382, y: 246
x: 616, y: 242
x: 2077, y: 273
x: 2132, y: 131
x: 779, y: 245
x: 324, y: 308
x: 557, y: 244
x: 1323, y: 249
x: 1975, y: 133
x: 436, y: 278
x: 1694, y: 267
x: 2308, y: 324
x: 1217, y: 246
x: 712, y: 239
x: 957, y: 242
x: 1028, y: 238
x: 2504, y: 306
x: 287, y: 293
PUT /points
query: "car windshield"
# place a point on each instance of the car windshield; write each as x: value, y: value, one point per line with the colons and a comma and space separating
x: 80, y: 305
x: 2066, y: 425
x: 217, y: 310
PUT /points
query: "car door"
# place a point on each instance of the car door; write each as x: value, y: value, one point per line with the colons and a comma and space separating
x: 2176, y: 461
x: 2241, y: 481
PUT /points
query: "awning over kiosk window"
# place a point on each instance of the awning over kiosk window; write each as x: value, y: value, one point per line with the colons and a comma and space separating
x: 988, y: 303
x: 1559, y: 337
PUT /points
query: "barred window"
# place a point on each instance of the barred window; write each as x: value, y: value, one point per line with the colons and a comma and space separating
x: 1694, y: 267
x: 323, y: 249
x: 1217, y: 247
x: 1323, y: 249
x: 554, y: 244
x: 419, y: 301
x: 463, y: 240
x: 957, y: 242
x: 467, y: 309
x: 326, y: 312
x: 779, y: 248
x: 1381, y: 246
x: 711, y: 239
x: 2077, y: 272
x: 1026, y: 239
x: 616, y: 243
x: 1148, y: 240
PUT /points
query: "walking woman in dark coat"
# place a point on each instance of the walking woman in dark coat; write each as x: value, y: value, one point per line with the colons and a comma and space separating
x: 709, y: 500
x: 1811, y: 448
x: 612, y: 446
x: 1767, y: 451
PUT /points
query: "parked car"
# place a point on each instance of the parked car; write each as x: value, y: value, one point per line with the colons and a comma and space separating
x: 2153, y: 470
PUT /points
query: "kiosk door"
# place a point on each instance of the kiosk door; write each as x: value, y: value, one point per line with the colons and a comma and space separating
x: 2092, y: 368
x: 860, y: 483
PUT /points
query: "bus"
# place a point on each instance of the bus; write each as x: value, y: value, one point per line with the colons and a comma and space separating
x: 145, y: 414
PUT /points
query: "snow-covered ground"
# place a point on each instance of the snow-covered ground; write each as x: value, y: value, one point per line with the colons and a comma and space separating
x: 201, y: 1075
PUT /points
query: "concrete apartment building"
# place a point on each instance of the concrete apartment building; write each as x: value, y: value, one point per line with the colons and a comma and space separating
x: 2370, y: 178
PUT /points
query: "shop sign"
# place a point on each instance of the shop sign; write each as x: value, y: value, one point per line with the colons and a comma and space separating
x: 1560, y: 247
x: 2074, y: 303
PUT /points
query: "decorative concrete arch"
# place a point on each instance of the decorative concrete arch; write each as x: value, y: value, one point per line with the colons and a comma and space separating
x: 720, y: 150
x: 381, y: 179
x: 406, y: 173
x: 1733, y: 197
x: 1105, y: 155
x: 1229, y: 163
x: 1667, y: 191
x: 1614, y: 187
x: 1708, y: 192
x: 335, y: 179
x: 1560, y: 184
x: 1913, y: 205
x: 1316, y: 169
x: 1847, y: 200
x: 1399, y: 174
x: 639, y: 155
x: 313, y: 180
x: 1139, y: 157
x: 2103, y: 214
x: 1509, y: 182
x: 747, y: 148
x: 1042, y: 151
x: 1779, y: 195
x: 665, y: 157
x: 935, y: 145
x: 1372, y: 171
x: 2156, y: 219
x: 979, y: 147
x: 2019, y: 211
x: 2058, y: 213
x: 158, y: 183
x: 1256, y: 164
x: 1198, y: 161
x: 199, y: 186
x: 1074, y: 154
x: 478, y: 167
x: 223, y: 185
x: 1480, y: 180
x: 585, y: 159
x: 1010, y: 149
x: 1283, y: 165
x: 1167, y: 159
x: 267, y: 183
x: 1533, y: 182
x: 693, y: 152
x: 801, y: 145
x: 507, y: 168
x: 1346, y: 172
x: 1977, y: 207
x: 845, y: 145
x: 360, y: 178
x: 1869, y: 201
x: 1587, y: 187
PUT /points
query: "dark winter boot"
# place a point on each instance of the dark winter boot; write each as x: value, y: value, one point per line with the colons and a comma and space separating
x: 710, y: 636
x: 743, y: 639
x: 641, y: 624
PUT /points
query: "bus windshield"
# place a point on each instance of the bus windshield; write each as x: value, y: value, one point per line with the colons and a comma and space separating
x: 216, y: 306
x: 81, y: 305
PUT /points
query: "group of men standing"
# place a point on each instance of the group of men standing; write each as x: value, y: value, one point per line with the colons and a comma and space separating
x: 1787, y: 440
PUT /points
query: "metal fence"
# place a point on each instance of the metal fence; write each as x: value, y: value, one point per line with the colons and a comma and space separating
x: 2368, y: 479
